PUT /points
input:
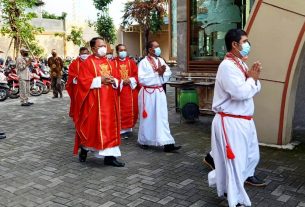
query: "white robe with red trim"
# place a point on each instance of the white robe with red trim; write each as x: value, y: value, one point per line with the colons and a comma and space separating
x: 233, y: 94
x: 154, y: 129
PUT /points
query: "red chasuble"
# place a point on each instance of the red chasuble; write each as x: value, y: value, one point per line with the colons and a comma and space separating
x: 72, y: 88
x: 128, y: 97
x: 98, y: 122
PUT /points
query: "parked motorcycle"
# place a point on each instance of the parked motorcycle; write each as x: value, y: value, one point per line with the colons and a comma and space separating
x: 64, y: 79
x: 4, y: 88
x: 36, y: 85
x: 12, y: 81
x: 44, y: 78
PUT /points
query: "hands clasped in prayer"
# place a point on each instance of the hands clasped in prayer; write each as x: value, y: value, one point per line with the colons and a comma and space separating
x: 255, y: 70
x: 106, y: 80
x: 161, y: 70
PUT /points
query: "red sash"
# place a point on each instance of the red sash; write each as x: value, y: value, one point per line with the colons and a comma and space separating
x: 233, y: 58
x: 230, y: 154
x: 160, y: 88
x: 153, y: 63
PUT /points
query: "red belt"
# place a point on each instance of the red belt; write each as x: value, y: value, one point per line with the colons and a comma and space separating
x: 230, y: 154
x: 160, y: 88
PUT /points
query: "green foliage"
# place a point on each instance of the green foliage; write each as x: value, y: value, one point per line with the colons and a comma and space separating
x: 76, y: 36
x: 147, y: 13
x: 104, y: 25
x: 101, y: 4
x: 47, y: 15
x: 105, y: 28
x: 17, y: 24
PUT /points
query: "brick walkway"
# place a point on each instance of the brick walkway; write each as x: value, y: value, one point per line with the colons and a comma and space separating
x: 37, y: 167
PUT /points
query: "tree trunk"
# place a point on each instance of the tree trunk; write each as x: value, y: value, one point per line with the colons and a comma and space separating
x: 17, y: 45
x: 146, y: 37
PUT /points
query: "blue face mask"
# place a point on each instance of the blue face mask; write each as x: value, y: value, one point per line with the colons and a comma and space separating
x: 122, y: 54
x: 245, y: 49
x: 158, y: 51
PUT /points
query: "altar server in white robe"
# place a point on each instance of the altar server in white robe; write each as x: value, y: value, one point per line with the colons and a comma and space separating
x: 153, y: 72
x: 234, y: 139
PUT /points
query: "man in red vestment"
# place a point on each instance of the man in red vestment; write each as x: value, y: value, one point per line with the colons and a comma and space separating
x: 71, y: 85
x: 98, y: 123
x: 128, y: 90
x: 72, y: 89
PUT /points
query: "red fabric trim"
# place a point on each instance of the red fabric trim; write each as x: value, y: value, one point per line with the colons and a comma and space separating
x: 233, y: 58
x: 230, y: 154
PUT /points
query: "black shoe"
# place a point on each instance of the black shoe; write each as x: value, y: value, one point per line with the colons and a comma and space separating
x: 254, y: 181
x: 144, y: 146
x: 209, y: 161
x: 112, y: 161
x: 2, y: 136
x: 60, y: 96
x: 55, y: 97
x: 30, y: 103
x: 171, y: 148
x: 125, y: 135
x: 25, y: 104
x: 82, y: 155
x: 239, y: 204
x: 2, y: 133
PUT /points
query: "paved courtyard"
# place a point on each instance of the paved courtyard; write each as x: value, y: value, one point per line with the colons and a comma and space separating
x: 37, y: 167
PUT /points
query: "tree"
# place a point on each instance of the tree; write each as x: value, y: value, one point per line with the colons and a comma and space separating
x: 101, y: 4
x: 75, y: 36
x: 17, y: 24
x: 104, y: 25
x: 147, y: 13
x: 47, y: 15
x: 105, y: 28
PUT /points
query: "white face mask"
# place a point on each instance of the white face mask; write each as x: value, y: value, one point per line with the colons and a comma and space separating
x: 84, y: 56
x: 102, y: 51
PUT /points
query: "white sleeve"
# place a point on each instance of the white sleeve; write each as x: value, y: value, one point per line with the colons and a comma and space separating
x: 146, y: 75
x: 233, y: 82
x: 115, y: 85
x: 133, y: 83
x: 75, y: 80
x: 96, y: 82
x: 121, y: 85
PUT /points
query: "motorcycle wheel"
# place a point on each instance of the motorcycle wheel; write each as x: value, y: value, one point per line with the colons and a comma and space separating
x: 46, y: 89
x: 13, y: 94
x: 36, y: 91
x: 3, y: 94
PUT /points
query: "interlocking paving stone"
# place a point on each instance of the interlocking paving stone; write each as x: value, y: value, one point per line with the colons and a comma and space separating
x: 37, y: 167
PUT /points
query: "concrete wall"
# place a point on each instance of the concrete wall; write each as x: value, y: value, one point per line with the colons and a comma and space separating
x: 182, y: 35
x: 163, y: 40
x: 132, y: 42
x: 48, y: 40
x: 276, y: 31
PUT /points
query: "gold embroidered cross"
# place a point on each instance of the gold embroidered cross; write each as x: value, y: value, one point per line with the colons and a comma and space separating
x: 104, y: 70
x: 124, y: 72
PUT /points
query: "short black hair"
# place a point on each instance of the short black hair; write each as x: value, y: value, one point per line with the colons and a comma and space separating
x: 149, y: 45
x: 234, y: 35
x: 93, y: 41
x: 118, y: 46
x: 83, y: 49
